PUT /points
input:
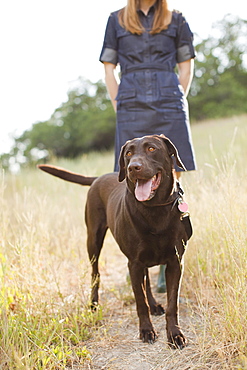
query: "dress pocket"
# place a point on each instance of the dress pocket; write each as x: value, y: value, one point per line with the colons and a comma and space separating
x: 126, y: 116
x: 130, y: 44
x: 126, y: 94
x: 165, y: 40
x: 126, y: 99
x: 171, y: 98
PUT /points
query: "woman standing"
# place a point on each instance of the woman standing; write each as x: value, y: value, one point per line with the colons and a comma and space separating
x: 148, y: 41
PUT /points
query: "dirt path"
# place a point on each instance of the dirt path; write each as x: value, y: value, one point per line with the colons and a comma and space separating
x: 116, y: 346
x: 120, y: 348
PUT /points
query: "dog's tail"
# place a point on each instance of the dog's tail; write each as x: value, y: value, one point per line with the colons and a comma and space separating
x: 67, y: 175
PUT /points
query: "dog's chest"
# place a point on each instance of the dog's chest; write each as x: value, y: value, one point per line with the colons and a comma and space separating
x: 157, y: 249
x: 145, y: 234
x: 149, y: 247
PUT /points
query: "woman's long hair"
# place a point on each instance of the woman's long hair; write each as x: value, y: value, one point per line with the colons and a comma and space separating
x: 129, y: 18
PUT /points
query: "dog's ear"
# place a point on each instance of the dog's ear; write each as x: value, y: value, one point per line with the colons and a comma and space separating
x: 122, y: 170
x: 173, y: 151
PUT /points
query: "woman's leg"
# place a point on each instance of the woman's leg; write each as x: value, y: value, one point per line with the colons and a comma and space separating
x: 161, y: 285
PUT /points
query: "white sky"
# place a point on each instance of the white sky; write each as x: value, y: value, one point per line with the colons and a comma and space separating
x: 47, y: 44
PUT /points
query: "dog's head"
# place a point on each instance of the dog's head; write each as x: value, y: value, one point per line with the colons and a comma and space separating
x: 146, y: 162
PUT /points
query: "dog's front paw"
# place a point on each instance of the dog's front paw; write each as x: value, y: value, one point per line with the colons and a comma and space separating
x: 148, y: 336
x: 177, y: 340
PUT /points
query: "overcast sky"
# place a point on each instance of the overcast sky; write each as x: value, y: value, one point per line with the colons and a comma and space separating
x: 45, y: 45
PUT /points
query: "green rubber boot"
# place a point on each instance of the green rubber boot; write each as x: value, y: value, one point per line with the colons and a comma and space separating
x: 161, y: 286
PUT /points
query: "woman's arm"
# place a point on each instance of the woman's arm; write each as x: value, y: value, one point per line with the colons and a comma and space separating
x: 111, y: 83
x: 185, y: 74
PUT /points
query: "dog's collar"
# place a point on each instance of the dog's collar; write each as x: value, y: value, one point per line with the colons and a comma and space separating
x: 175, y: 197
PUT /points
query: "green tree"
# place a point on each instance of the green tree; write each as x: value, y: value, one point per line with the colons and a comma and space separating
x: 85, y: 122
x: 219, y: 87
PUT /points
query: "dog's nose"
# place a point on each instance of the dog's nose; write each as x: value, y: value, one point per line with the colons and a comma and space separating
x: 135, y: 166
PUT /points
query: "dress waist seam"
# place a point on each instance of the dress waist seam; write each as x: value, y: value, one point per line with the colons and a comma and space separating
x: 146, y: 67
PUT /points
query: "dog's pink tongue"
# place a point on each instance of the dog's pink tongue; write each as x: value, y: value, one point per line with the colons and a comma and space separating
x: 143, y: 189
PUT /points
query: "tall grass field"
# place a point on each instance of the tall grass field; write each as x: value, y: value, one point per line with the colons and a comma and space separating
x: 45, y: 274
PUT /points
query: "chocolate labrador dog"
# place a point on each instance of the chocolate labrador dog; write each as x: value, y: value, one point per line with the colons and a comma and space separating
x: 144, y: 209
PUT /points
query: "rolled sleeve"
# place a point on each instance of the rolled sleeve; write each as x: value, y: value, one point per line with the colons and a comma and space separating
x: 185, y: 48
x: 184, y: 53
x: 109, y: 55
x: 109, y: 50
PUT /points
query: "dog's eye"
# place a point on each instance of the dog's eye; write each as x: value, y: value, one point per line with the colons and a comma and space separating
x: 128, y: 153
x: 151, y: 149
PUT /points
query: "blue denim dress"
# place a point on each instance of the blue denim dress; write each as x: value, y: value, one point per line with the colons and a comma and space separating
x: 150, y: 99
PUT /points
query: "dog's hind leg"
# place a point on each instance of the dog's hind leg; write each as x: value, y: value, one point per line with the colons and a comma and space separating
x: 96, y: 230
x: 94, y: 245
x: 155, y: 308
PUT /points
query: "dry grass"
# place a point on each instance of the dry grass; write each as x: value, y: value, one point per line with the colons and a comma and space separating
x: 45, y: 274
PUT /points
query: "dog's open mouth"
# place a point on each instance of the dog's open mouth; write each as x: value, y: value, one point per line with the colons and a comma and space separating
x: 145, y: 189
